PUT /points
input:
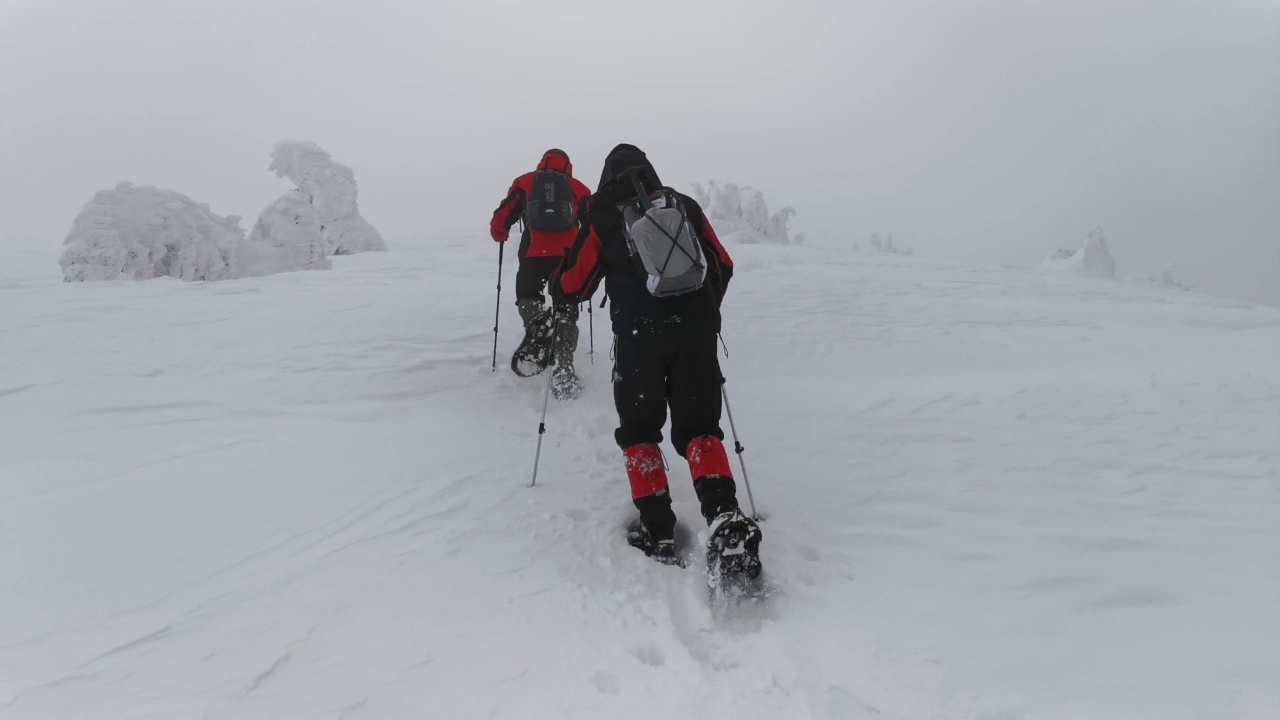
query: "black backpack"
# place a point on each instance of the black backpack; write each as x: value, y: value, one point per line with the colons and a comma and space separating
x: 549, y: 207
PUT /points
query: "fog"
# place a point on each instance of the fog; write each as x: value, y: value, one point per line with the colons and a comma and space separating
x: 985, y: 132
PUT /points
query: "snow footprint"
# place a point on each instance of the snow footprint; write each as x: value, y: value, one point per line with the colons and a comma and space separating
x: 606, y: 682
x: 841, y: 703
x: 649, y: 654
x: 808, y: 553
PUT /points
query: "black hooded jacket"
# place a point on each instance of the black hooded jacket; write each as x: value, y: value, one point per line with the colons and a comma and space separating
x: 600, y: 252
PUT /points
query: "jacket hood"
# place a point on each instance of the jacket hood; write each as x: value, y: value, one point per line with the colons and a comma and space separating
x: 558, y: 160
x: 622, y: 163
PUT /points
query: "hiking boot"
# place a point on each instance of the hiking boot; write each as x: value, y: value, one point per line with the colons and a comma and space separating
x: 663, y: 550
x: 534, y: 353
x: 717, y: 494
x: 734, y: 545
x: 565, y: 383
x: 531, y: 310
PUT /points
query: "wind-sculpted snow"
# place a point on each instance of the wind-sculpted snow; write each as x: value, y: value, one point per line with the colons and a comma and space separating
x: 989, y: 495
x: 740, y: 215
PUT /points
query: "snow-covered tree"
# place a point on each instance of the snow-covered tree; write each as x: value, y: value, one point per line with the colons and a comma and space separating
x: 1169, y: 280
x: 1093, y: 259
x: 1166, y: 279
x: 142, y: 232
x: 329, y: 186
x: 887, y: 246
x: 286, y: 237
x: 742, y: 215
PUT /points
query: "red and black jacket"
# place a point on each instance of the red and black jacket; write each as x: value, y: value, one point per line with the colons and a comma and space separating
x: 600, y: 253
x: 537, y: 243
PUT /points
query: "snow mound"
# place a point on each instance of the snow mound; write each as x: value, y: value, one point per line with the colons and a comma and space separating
x: 741, y: 215
x: 329, y: 186
x: 1093, y: 259
x: 143, y: 232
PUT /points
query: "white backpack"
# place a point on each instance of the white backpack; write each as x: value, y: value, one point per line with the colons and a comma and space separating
x: 663, y: 242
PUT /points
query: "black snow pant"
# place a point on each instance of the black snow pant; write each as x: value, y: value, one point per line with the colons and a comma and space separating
x: 666, y: 364
x: 531, y: 279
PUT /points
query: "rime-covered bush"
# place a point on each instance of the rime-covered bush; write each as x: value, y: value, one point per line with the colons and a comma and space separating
x: 142, y: 232
x: 741, y: 215
x: 330, y: 187
x: 1093, y: 259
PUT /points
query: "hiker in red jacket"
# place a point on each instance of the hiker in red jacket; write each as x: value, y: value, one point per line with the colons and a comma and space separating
x: 548, y: 201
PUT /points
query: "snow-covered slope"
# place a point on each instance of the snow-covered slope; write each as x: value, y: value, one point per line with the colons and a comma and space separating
x: 990, y: 494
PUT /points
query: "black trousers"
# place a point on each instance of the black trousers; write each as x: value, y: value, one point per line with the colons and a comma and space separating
x: 667, y: 364
x: 531, y: 279
x: 531, y: 276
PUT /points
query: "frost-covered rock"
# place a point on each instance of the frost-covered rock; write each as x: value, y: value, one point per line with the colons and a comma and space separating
x: 1093, y: 259
x: 329, y: 186
x: 741, y: 214
x: 143, y: 232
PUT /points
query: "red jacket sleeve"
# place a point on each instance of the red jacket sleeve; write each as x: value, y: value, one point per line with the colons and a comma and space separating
x: 580, y: 191
x: 510, y: 209
x: 582, y: 269
x: 719, y: 261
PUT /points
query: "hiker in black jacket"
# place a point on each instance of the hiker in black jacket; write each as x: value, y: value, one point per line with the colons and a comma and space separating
x: 665, y: 356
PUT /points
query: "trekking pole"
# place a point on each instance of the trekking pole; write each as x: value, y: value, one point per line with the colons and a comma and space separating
x: 542, y: 424
x: 591, y: 329
x: 542, y: 428
x: 497, y: 307
x: 737, y: 448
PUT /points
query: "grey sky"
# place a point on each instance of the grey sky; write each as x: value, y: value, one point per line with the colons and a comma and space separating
x: 992, y: 131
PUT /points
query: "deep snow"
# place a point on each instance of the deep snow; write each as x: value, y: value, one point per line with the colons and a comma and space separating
x: 991, y: 493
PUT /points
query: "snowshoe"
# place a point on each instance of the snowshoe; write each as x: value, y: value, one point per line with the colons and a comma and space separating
x: 534, y: 353
x: 565, y: 384
x: 664, y: 551
x: 733, y: 552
